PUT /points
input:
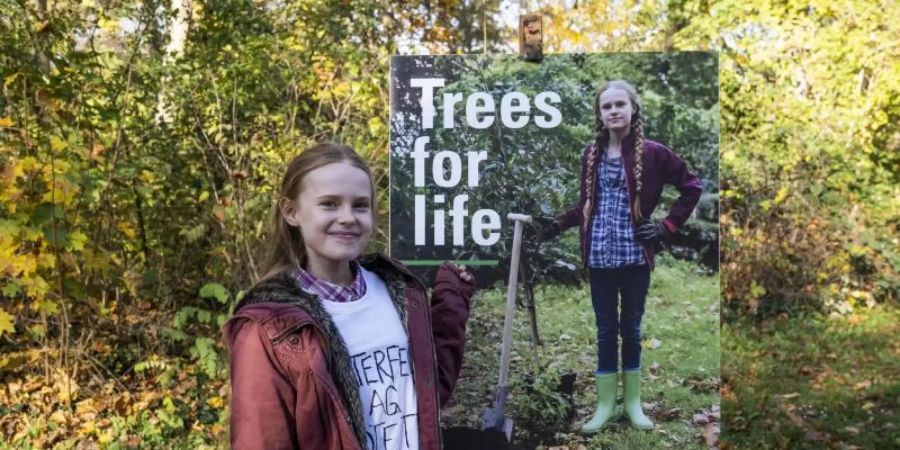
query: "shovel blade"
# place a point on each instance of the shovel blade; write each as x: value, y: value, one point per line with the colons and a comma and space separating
x: 495, y: 420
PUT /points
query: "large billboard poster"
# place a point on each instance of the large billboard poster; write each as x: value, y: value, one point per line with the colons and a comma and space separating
x: 476, y: 137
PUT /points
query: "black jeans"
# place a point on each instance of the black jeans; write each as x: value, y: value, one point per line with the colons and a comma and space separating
x: 632, y: 283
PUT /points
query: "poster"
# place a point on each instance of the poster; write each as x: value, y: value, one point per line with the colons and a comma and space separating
x: 476, y: 137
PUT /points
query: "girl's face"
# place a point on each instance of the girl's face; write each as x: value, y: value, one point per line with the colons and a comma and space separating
x: 615, y: 109
x: 334, y: 213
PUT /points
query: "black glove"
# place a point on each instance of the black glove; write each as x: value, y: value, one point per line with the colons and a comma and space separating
x: 546, y: 229
x: 651, y: 231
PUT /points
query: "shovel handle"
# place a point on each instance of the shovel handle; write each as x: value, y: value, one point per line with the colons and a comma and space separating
x: 519, y: 219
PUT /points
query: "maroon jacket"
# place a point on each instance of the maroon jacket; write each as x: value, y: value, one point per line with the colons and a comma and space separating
x: 661, y: 167
x: 291, y: 375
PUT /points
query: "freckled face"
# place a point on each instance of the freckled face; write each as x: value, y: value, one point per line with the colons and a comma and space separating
x: 334, y: 213
x: 615, y: 109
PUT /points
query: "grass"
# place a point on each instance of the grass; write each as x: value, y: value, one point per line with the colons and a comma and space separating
x: 813, y: 382
x: 680, y: 359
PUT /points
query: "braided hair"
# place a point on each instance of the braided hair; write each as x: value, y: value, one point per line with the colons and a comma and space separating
x: 601, y: 139
x: 593, y: 154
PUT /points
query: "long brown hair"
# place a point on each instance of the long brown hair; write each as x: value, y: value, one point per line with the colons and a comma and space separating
x: 601, y: 137
x: 286, y: 249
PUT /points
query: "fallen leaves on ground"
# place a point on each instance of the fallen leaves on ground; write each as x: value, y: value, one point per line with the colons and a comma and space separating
x: 709, y: 420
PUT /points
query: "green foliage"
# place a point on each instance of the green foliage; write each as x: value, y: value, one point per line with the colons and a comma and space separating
x: 205, y: 354
x: 837, y: 387
x: 541, y: 405
x: 807, y: 156
x: 216, y: 291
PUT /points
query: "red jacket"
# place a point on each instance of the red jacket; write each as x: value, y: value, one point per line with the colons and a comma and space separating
x: 291, y: 376
x: 661, y: 166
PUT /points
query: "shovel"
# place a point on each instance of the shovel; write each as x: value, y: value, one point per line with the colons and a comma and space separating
x: 495, y: 418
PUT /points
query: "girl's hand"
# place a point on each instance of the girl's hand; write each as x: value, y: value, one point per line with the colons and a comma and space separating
x: 464, y: 274
x: 454, y: 282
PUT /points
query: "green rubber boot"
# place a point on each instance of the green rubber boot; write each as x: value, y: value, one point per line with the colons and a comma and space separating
x: 632, y: 382
x: 606, y: 403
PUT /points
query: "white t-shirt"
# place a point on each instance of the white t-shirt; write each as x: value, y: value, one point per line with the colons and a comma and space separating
x: 379, y: 352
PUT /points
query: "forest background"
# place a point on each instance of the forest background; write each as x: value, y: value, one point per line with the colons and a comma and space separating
x: 141, y: 142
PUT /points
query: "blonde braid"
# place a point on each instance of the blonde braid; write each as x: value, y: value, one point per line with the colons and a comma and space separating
x: 591, y: 178
x: 638, y: 166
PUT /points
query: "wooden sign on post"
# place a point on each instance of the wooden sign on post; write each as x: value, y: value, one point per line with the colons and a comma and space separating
x: 531, y: 37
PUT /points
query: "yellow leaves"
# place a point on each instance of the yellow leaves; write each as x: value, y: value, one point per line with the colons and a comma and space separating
x: 216, y: 402
x: 781, y: 195
x: 86, y: 406
x: 10, y: 79
x: 9, y: 191
x: 5, y: 122
x: 46, y: 305
x: 29, y: 163
x: 57, y: 144
x: 59, y: 417
x: 759, y: 236
x: 127, y: 229
x: 11, y: 361
x: 89, y: 427
x: 110, y: 26
x: 146, y: 401
x: 98, y: 261
x: 9, y: 249
x: 46, y: 261
x: 147, y: 177
x: 65, y: 386
x: 42, y: 26
x: 77, y: 240
x: 35, y: 286
x: 6, y: 323
x: 60, y: 191
x: 756, y: 291
x: 106, y: 438
x: 17, y: 264
x: 376, y: 126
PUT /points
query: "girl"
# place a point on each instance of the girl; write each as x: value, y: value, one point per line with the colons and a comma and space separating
x: 622, y: 176
x: 331, y: 351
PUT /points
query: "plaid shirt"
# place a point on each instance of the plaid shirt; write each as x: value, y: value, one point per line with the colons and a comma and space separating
x: 612, y: 236
x: 330, y: 291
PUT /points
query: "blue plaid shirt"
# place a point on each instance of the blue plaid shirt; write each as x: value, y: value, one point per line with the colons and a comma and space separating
x: 612, y: 236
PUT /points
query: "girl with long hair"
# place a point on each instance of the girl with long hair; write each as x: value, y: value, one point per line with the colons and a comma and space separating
x: 622, y: 177
x: 334, y: 350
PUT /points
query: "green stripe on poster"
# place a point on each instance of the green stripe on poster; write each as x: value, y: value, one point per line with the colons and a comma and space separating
x: 461, y: 262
